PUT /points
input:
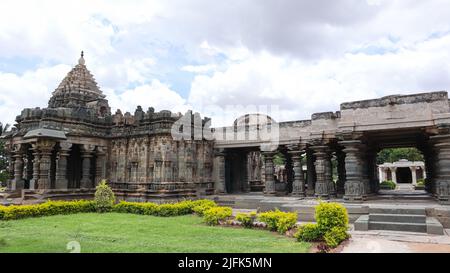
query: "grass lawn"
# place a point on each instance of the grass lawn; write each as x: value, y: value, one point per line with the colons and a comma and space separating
x: 115, y: 232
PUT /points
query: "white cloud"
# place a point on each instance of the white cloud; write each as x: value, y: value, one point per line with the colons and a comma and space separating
x: 32, y: 89
x: 199, y: 68
x: 300, y: 89
x: 155, y: 94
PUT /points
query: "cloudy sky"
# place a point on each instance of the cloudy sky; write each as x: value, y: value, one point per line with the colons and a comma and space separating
x: 300, y: 56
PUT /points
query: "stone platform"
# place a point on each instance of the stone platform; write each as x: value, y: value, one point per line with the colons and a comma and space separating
x: 305, y: 207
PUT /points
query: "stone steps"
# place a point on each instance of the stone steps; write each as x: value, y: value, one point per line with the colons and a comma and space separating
x: 396, y: 226
x: 398, y: 218
x: 408, y: 219
x: 397, y: 210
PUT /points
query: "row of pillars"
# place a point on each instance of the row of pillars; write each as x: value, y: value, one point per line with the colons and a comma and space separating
x: 356, y: 170
x: 319, y: 177
x: 383, y: 174
x: 41, y: 165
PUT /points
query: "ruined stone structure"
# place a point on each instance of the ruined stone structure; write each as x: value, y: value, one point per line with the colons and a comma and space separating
x: 65, y: 149
x: 402, y: 171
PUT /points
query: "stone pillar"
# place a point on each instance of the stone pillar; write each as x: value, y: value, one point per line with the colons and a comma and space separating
x: 220, y: 161
x: 413, y: 175
x: 393, y: 174
x: 61, y: 166
x: 45, y: 148
x: 247, y: 172
x: 86, y: 155
x: 354, y: 185
x: 322, y: 189
x: 36, y: 163
x: 269, y: 173
x: 381, y: 174
x: 100, y: 165
x: 18, y: 182
x: 310, y: 172
x: 442, y: 168
x: 298, y: 185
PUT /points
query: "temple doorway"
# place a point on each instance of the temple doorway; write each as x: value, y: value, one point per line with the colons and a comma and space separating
x: 404, y: 175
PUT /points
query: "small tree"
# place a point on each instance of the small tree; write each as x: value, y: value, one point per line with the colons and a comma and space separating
x: 104, y: 197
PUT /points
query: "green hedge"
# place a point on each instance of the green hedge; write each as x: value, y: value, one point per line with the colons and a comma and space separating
x: 165, y: 210
x: 46, y: 209
x: 388, y: 184
x: 246, y: 219
x: 69, y: 207
x: 278, y: 220
x: 308, y: 233
x: 214, y: 215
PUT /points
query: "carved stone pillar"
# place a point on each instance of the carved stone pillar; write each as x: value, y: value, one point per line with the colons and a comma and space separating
x: 442, y: 168
x: 18, y: 182
x: 298, y: 185
x: 248, y: 172
x: 354, y: 185
x: 61, y: 166
x: 220, y: 161
x: 45, y: 148
x: 86, y: 155
x: 269, y: 173
x: 322, y: 177
x: 36, y: 164
x: 310, y: 172
x: 100, y: 165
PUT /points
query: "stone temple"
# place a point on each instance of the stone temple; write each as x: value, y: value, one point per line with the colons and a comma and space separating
x: 62, y: 151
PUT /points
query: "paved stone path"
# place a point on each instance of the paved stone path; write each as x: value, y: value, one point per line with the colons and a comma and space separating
x: 396, y: 242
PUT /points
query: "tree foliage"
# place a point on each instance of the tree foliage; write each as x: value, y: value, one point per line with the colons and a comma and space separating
x: 394, y: 154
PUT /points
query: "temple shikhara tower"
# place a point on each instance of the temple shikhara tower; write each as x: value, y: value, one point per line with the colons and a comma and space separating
x: 65, y: 149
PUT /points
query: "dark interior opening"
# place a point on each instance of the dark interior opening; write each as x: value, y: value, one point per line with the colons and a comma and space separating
x: 404, y: 175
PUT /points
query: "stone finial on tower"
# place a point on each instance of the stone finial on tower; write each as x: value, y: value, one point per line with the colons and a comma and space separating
x: 81, y: 60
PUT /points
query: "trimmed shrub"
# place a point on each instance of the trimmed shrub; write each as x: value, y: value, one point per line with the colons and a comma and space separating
x: 388, y: 184
x: 287, y: 221
x: 104, y: 197
x: 214, y: 215
x: 335, y: 236
x: 329, y: 215
x: 278, y: 220
x: 331, y: 227
x: 200, y: 207
x: 421, y: 182
x: 175, y: 209
x: 246, y: 219
x: 164, y: 210
x: 135, y: 208
x: 308, y: 233
x: 46, y: 209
